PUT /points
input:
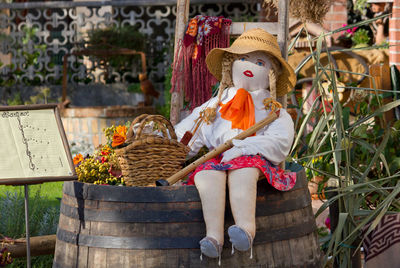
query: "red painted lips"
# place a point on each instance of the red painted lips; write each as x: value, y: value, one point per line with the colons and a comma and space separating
x: 248, y: 73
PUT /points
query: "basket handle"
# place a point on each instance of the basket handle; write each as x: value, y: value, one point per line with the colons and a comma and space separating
x: 164, y: 124
x: 130, y: 135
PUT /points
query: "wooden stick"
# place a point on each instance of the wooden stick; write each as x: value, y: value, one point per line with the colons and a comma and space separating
x: 220, y: 149
x: 182, y: 17
x: 40, y: 245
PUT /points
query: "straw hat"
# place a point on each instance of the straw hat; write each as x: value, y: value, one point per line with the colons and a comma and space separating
x: 250, y: 41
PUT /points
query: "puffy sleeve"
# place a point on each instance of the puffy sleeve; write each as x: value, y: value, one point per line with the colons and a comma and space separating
x: 196, y: 143
x: 273, y: 142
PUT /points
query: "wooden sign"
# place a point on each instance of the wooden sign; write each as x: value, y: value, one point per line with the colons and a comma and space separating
x: 33, y: 145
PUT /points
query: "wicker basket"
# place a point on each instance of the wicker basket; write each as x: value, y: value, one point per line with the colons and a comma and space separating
x: 149, y: 157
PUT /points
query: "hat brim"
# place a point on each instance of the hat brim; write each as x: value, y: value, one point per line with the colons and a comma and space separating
x: 286, y: 79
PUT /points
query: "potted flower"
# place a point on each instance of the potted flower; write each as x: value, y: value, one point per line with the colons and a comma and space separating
x: 344, y: 39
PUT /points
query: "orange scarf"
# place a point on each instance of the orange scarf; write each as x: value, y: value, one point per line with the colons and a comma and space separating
x: 239, y: 110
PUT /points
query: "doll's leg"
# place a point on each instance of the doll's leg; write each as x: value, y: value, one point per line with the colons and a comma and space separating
x: 242, y: 195
x: 211, y: 185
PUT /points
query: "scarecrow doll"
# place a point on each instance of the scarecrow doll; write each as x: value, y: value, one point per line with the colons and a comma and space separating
x: 252, y: 73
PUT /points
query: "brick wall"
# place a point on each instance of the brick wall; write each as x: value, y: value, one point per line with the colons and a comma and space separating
x: 86, y: 124
x: 336, y: 16
x: 394, y: 35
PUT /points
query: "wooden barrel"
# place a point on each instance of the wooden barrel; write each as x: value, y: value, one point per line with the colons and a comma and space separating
x: 112, y: 226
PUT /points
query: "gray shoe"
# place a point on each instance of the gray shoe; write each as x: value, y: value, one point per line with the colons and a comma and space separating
x: 240, y: 238
x: 210, y: 247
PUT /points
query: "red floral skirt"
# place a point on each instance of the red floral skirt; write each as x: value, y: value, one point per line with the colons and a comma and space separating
x: 277, y: 177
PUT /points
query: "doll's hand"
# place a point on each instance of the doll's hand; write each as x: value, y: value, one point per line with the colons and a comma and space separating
x: 231, y: 154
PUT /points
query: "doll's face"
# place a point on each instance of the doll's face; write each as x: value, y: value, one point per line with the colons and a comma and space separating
x: 251, y: 71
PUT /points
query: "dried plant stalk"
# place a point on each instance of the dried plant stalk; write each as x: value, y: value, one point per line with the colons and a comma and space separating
x: 270, y: 8
x: 304, y: 10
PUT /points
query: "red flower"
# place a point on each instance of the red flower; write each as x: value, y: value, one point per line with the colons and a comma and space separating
x: 328, y: 223
x: 105, y: 150
x: 115, y: 172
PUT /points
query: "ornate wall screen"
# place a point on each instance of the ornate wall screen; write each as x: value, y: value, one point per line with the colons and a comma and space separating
x: 34, y: 36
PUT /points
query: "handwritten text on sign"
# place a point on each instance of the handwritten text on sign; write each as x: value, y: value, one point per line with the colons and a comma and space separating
x: 31, y: 145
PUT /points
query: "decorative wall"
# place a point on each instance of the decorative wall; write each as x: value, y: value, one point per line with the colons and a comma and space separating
x: 36, y: 35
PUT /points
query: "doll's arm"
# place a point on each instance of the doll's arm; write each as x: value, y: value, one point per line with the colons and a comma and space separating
x: 272, y: 142
x: 196, y: 143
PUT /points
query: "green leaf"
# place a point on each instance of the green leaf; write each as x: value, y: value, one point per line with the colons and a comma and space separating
x: 376, y: 155
x: 364, y: 22
x: 361, y: 131
x: 395, y: 165
x: 366, y: 145
x: 384, y: 108
x: 350, y: 147
x: 318, y: 129
x: 346, y: 116
x: 295, y: 39
x: 338, y: 232
x: 303, y: 125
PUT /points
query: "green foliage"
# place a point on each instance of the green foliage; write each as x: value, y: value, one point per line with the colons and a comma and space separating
x: 43, y: 218
x: 44, y: 261
x: 30, y: 53
x: 42, y: 97
x: 361, y: 6
x: 360, y: 38
x: 355, y: 149
x: 134, y: 88
x: 51, y: 190
x: 322, y: 231
x: 165, y: 109
x: 15, y: 100
x: 247, y: 18
x: 31, y: 58
x: 114, y: 37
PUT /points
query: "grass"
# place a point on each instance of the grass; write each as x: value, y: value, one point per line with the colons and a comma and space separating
x: 36, y: 262
x: 51, y: 190
x: 44, y: 203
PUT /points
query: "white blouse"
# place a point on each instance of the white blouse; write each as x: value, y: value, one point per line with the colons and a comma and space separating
x: 273, y: 141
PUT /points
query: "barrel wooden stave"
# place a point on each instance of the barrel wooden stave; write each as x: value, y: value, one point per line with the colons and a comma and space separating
x: 97, y: 231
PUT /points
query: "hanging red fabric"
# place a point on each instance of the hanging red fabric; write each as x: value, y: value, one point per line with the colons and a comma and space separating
x: 203, y: 34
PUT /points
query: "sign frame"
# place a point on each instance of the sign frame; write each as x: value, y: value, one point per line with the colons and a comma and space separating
x: 42, y: 179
